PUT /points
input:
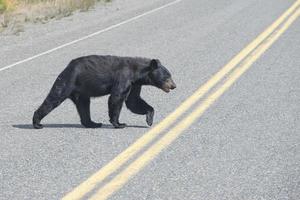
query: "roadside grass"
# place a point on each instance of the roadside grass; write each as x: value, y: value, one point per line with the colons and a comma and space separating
x: 15, y: 13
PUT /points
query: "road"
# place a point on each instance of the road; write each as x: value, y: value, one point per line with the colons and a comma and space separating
x: 238, y: 139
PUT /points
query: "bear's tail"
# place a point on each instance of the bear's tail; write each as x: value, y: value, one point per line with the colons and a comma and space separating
x: 60, y: 91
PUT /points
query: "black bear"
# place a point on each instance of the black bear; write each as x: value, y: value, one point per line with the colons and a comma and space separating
x: 96, y: 75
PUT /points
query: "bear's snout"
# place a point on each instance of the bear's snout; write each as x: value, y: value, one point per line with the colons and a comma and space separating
x: 173, y: 86
x: 168, y: 85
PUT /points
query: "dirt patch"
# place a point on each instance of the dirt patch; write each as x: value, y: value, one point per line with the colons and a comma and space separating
x: 15, y: 13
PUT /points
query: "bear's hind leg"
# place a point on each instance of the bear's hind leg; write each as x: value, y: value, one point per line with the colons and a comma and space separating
x: 59, y: 92
x: 83, y: 107
x: 50, y: 103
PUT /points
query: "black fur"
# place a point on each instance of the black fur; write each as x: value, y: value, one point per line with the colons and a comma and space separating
x: 94, y: 76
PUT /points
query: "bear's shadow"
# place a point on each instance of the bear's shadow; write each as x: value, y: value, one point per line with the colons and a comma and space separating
x: 104, y: 126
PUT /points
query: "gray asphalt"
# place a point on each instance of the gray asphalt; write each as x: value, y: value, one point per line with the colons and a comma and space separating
x: 246, y: 146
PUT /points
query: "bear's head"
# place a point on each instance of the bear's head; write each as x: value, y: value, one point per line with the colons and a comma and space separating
x: 160, y: 76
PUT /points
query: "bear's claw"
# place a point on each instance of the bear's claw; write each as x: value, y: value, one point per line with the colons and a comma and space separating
x: 37, y: 126
x: 149, y: 118
x: 120, y: 125
x: 92, y: 125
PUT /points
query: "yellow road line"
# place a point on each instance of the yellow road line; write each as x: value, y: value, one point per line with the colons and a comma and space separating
x: 117, y: 182
x: 133, y: 149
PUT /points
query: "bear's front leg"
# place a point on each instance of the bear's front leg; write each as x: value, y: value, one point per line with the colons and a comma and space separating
x: 137, y: 105
x: 115, y: 102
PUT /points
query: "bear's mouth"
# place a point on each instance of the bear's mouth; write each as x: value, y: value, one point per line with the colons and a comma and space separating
x: 167, y: 90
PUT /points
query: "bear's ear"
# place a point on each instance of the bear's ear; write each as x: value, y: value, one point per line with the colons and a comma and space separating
x: 146, y: 70
x: 153, y: 64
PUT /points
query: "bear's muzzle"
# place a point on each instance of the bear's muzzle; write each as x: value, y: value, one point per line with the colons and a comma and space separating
x: 168, y: 85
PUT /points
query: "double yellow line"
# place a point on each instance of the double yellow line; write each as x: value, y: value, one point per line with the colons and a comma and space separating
x: 224, y: 78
